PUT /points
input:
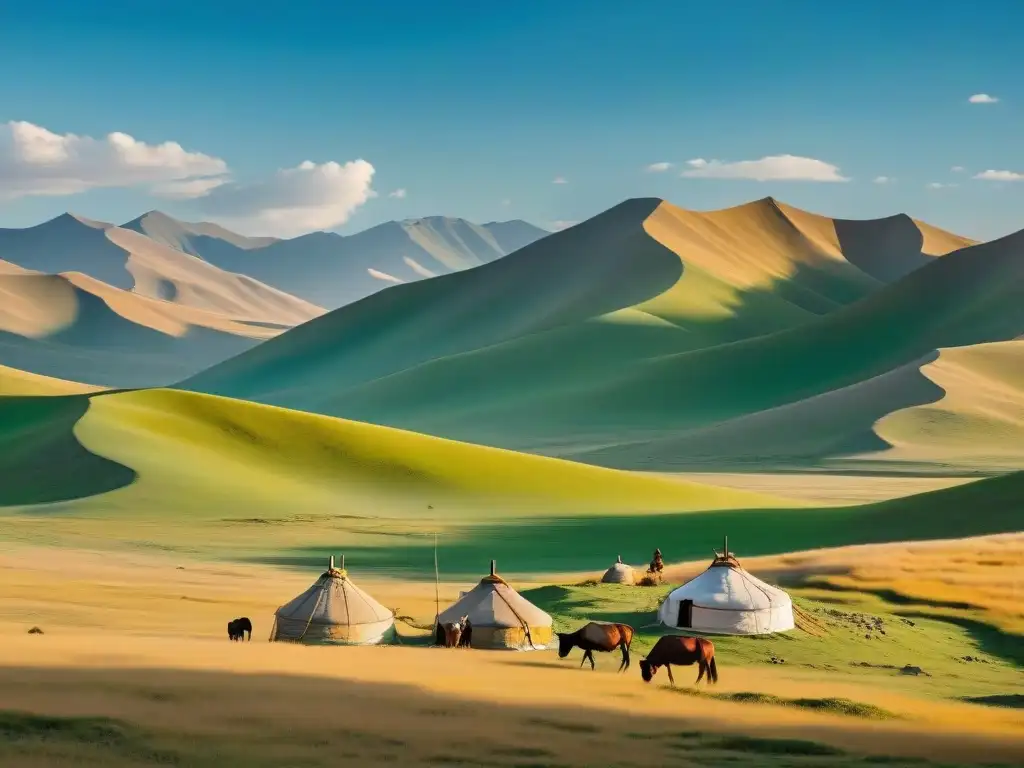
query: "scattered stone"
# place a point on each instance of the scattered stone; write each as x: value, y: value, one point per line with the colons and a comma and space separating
x: 867, y: 636
x: 35, y: 631
x: 912, y: 670
x: 908, y: 621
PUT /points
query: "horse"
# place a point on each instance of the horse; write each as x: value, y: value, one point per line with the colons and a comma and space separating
x: 597, y: 637
x: 453, y: 632
x: 238, y: 627
x: 683, y: 651
x: 466, y: 640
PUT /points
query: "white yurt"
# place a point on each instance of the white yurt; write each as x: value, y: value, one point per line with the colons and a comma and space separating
x: 501, y: 618
x: 726, y: 600
x: 619, y: 573
x: 333, y: 611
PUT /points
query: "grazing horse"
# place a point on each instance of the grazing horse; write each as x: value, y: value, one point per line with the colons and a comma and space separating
x: 597, y: 637
x: 683, y: 651
x: 238, y: 627
x: 453, y: 632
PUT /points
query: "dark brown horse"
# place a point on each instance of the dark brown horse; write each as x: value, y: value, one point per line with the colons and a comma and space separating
x: 597, y: 637
x: 682, y: 651
x: 238, y: 627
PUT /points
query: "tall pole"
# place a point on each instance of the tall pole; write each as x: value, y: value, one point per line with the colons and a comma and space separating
x: 437, y: 579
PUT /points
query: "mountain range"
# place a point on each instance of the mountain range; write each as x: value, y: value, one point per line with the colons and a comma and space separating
x: 157, y: 299
x: 654, y: 338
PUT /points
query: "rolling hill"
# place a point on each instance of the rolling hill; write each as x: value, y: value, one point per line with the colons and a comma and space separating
x: 207, y: 475
x: 622, y: 339
x: 92, y: 302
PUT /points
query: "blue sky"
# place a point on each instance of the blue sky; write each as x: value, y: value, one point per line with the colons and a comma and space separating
x: 474, y: 108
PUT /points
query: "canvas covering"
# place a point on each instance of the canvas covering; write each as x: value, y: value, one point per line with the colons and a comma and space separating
x: 334, y: 610
x: 619, y: 573
x: 501, y: 617
x: 729, y: 601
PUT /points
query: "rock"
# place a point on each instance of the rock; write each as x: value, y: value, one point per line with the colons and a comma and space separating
x: 35, y: 631
x: 867, y: 636
x: 911, y: 670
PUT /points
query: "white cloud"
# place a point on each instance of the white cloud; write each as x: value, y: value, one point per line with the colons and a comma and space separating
x: 293, y: 201
x: 884, y: 180
x: 772, y: 168
x: 940, y: 185
x: 559, y: 180
x: 418, y: 268
x: 658, y: 167
x: 384, y: 276
x: 957, y: 169
x: 1000, y: 176
x: 36, y: 161
x: 186, y: 189
x: 982, y: 98
x: 506, y: 203
x: 398, y: 194
x: 558, y: 226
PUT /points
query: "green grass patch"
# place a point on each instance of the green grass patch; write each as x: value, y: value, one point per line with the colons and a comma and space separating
x: 763, y: 746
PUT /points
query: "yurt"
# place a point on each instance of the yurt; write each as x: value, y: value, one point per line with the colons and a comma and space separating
x: 619, y: 573
x: 501, y: 618
x: 334, y: 611
x: 726, y: 600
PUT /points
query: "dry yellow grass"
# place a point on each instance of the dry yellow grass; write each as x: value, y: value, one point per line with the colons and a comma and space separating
x: 979, y: 420
x: 141, y: 639
x: 825, y: 488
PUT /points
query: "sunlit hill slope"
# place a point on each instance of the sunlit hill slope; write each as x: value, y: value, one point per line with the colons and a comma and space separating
x: 620, y: 339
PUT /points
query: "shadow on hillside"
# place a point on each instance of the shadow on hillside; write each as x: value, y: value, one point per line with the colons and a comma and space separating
x: 41, y: 461
x: 222, y: 718
x: 990, y: 639
x: 564, y: 544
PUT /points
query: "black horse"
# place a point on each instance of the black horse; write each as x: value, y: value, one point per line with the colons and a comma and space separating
x: 238, y: 628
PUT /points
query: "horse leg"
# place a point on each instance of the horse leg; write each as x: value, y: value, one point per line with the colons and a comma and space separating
x: 668, y: 668
x: 701, y: 665
x: 590, y: 655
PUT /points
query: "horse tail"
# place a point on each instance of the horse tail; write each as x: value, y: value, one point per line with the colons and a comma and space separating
x: 627, y: 634
x: 712, y: 668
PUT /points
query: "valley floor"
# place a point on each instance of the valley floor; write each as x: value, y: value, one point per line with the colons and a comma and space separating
x: 133, y: 669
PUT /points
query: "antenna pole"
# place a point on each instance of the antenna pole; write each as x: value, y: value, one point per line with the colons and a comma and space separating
x: 330, y: 565
x: 343, y: 562
x: 437, y: 578
x: 726, y: 553
x: 492, y: 567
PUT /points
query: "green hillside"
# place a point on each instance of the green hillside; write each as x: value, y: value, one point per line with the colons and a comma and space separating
x: 178, y: 469
x: 205, y: 475
x: 654, y: 338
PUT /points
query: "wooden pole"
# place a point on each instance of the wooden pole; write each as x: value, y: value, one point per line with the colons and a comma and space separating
x: 437, y: 579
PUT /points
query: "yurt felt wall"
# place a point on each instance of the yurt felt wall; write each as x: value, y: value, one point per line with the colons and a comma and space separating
x: 501, y: 618
x: 334, y: 611
x: 727, y: 600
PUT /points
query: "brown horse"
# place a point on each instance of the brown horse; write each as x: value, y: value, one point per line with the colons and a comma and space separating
x: 453, y: 632
x: 597, y: 637
x: 683, y: 651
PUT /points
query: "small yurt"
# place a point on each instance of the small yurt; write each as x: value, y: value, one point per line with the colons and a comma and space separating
x: 501, y: 618
x: 726, y: 600
x: 334, y: 611
x: 619, y: 573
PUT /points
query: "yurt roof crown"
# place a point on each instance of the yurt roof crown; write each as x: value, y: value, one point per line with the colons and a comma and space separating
x: 725, y: 558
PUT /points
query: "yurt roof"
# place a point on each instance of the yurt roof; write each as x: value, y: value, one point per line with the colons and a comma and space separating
x: 619, y: 567
x: 726, y: 585
x: 335, y: 599
x: 493, y: 603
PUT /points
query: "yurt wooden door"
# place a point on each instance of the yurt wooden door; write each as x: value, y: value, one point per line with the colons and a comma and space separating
x: 685, y: 619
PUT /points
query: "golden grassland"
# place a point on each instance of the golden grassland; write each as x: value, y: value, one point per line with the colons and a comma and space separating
x: 140, y: 638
